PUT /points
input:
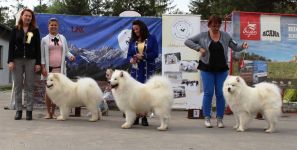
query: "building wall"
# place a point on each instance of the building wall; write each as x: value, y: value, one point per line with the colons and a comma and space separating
x: 4, y: 72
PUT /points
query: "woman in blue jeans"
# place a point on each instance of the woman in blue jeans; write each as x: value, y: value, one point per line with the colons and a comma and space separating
x: 213, y: 65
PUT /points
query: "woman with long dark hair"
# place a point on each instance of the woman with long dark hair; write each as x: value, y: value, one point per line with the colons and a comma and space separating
x: 142, y: 52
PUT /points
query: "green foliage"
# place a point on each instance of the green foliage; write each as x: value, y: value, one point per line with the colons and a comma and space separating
x: 144, y: 7
x: 225, y: 7
x: 290, y: 95
x: 282, y: 70
x: 41, y: 8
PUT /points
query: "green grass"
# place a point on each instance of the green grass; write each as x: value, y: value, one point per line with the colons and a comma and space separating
x: 5, y: 87
x: 282, y: 70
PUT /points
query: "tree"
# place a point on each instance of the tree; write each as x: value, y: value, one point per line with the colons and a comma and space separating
x: 225, y: 7
x: 144, y: 7
x: 70, y: 7
x: 41, y: 8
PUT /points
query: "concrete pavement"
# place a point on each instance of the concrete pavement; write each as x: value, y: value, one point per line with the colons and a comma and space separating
x: 184, y: 134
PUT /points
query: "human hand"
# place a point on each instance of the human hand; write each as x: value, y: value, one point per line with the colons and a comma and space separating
x: 139, y: 56
x: 72, y: 58
x: 44, y: 72
x: 132, y: 61
x: 245, y: 45
x: 202, y: 51
x: 11, y: 66
x: 37, y: 68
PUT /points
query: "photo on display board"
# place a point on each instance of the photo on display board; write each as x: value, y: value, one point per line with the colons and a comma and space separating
x: 179, y: 91
x: 188, y: 66
x: 174, y: 77
x: 172, y: 58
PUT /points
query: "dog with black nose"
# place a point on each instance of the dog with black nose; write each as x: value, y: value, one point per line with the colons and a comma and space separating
x: 133, y: 97
x: 245, y: 102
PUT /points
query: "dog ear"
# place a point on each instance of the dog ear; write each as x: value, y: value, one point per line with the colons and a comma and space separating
x: 237, y: 79
x: 56, y: 76
x: 122, y: 74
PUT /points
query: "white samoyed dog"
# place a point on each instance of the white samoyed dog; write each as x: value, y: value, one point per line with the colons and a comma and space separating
x: 246, y: 102
x: 67, y: 94
x: 133, y: 97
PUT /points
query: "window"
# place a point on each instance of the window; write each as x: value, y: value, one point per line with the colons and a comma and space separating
x: 1, y: 57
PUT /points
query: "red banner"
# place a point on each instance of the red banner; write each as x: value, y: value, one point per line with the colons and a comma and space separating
x: 250, y: 26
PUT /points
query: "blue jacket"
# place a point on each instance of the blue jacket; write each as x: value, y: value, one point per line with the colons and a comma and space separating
x: 146, y: 66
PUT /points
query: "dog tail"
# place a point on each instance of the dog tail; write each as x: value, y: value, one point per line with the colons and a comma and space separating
x: 156, y: 82
x: 271, y: 92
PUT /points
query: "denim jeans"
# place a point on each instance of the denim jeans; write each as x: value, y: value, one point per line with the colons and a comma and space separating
x: 213, y: 81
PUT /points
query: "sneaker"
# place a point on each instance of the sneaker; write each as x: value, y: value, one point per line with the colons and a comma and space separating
x: 220, y: 123
x: 207, y: 123
x: 47, y: 116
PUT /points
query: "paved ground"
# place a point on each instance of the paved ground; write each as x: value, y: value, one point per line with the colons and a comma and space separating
x: 184, y: 134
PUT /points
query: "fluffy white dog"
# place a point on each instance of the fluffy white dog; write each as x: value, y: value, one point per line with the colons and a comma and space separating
x: 133, y: 97
x: 246, y: 102
x: 68, y: 94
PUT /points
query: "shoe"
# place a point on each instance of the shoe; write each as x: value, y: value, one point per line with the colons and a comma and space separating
x: 29, y: 115
x: 144, y: 121
x: 207, y: 123
x: 220, y: 123
x: 47, y: 117
x: 18, y: 115
x: 136, y: 122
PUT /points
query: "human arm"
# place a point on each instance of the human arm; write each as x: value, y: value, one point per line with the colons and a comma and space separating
x: 38, y: 50
x: 11, y: 50
x: 131, y: 53
x: 68, y: 54
x: 152, y: 53
x: 235, y: 46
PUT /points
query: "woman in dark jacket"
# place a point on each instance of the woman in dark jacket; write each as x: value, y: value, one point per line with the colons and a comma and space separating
x: 142, y: 52
x: 24, y: 60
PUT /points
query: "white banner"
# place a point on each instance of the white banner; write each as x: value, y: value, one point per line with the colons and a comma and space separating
x: 270, y: 28
x: 180, y: 63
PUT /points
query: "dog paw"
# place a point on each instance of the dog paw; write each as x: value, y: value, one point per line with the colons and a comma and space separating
x: 269, y: 131
x: 93, y: 119
x: 240, y: 130
x: 162, y: 128
x: 61, y: 118
x: 126, y: 126
x: 235, y: 126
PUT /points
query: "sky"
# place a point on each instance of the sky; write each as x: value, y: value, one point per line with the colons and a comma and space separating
x: 180, y: 4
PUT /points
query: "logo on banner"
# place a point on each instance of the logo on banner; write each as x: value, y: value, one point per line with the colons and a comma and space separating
x: 250, y: 27
x: 250, y: 30
x: 270, y: 33
x: 181, y: 29
x: 79, y: 29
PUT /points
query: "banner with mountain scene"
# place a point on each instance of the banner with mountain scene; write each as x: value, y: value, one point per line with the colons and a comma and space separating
x: 98, y: 42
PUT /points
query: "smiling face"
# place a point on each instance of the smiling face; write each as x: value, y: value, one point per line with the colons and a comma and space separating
x: 52, y: 79
x: 136, y: 30
x: 116, y: 78
x: 26, y: 17
x: 53, y: 27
